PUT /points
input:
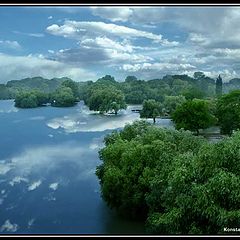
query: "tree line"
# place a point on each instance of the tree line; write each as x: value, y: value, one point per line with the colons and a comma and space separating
x: 196, y: 114
x: 134, y: 90
x: 190, y: 108
x: 66, y: 95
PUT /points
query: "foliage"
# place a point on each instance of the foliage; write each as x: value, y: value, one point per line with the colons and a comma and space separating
x: 178, y: 86
x: 151, y: 109
x: 104, y: 99
x: 26, y: 100
x: 31, y: 99
x: 5, y: 92
x: 228, y: 112
x: 36, y: 83
x: 15, y: 87
x: 73, y: 85
x: 172, y: 102
x: 106, y: 81
x: 198, y: 75
x: 201, y: 195
x: 130, y: 79
x: 193, y: 115
x: 178, y: 183
x: 134, y: 90
x: 63, y: 97
x: 193, y: 92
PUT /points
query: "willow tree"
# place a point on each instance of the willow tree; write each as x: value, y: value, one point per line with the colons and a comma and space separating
x: 151, y: 109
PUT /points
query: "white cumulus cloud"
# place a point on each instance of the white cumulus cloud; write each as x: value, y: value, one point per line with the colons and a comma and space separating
x: 113, y: 13
x: 10, y: 44
x: 82, y: 29
x: 18, y: 67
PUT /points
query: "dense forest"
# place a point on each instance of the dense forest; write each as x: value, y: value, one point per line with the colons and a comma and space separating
x: 107, y: 94
x: 135, y: 90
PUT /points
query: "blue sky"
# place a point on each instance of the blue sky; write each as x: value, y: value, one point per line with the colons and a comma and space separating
x: 86, y: 43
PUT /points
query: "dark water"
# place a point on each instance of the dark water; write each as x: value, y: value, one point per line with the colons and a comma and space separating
x: 48, y: 158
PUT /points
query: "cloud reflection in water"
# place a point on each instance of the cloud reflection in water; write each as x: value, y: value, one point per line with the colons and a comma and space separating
x: 87, y: 121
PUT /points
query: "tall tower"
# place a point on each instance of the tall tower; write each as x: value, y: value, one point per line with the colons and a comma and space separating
x: 219, y: 86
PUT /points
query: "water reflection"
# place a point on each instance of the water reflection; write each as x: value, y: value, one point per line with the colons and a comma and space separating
x: 7, y: 106
x: 87, y: 121
x: 48, y: 159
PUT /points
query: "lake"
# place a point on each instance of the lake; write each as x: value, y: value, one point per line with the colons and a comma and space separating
x: 48, y: 159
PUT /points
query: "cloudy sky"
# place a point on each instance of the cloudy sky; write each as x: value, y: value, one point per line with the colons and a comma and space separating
x: 85, y: 43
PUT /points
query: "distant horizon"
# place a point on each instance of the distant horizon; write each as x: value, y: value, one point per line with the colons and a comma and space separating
x: 118, y: 80
x: 84, y: 42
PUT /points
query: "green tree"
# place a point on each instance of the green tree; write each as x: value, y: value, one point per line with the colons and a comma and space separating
x: 63, y: 97
x: 107, y: 78
x: 42, y: 98
x: 193, y: 92
x: 172, y: 102
x: 178, y: 86
x: 31, y: 99
x: 228, y: 112
x: 36, y: 83
x: 201, y: 193
x: 174, y: 181
x: 193, y: 115
x: 26, y: 100
x: 198, y: 75
x: 151, y: 109
x: 105, y: 99
x: 130, y: 79
x: 73, y: 85
x: 131, y: 159
x: 106, y: 81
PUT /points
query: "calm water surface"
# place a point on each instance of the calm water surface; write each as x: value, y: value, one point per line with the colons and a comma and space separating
x: 48, y: 158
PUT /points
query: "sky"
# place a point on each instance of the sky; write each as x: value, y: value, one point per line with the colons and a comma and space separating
x: 87, y: 42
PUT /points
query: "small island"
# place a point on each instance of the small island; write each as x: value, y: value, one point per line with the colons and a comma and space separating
x: 66, y: 95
